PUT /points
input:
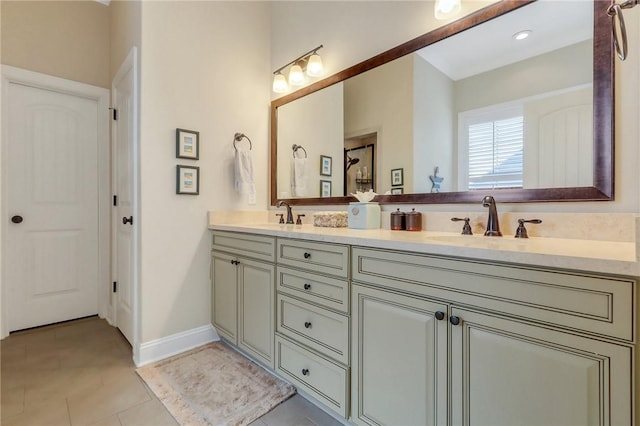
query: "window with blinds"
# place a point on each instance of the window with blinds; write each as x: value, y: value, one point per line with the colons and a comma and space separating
x: 495, y: 153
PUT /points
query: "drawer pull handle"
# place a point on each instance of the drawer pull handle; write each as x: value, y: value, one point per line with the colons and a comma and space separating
x: 439, y: 315
x: 305, y: 371
x: 307, y: 255
x: 235, y: 262
x: 307, y: 324
x: 307, y: 286
x: 454, y: 320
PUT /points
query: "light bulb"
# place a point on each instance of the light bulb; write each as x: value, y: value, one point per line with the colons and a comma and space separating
x: 522, y: 35
x: 296, y: 77
x: 280, y: 84
x: 445, y: 9
x: 314, y: 66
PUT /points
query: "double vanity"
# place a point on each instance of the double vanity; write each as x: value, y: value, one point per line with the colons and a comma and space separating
x: 412, y: 328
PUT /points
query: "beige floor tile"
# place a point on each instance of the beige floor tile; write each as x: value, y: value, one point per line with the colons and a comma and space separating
x: 109, y: 421
x: 47, y: 414
x: 59, y: 384
x: 12, y: 402
x: 298, y: 411
x: 111, y: 398
x: 150, y: 413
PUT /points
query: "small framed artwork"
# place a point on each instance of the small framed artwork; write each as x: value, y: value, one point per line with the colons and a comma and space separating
x: 397, y: 178
x: 396, y: 191
x: 325, y: 188
x: 325, y: 165
x: 187, y: 180
x: 187, y: 144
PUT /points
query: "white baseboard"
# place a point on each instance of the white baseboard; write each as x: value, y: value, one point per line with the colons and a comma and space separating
x: 162, y: 348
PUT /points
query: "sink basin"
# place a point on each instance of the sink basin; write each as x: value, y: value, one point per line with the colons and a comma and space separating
x: 479, y: 240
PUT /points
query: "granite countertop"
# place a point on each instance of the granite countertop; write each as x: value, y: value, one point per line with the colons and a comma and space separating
x: 598, y: 256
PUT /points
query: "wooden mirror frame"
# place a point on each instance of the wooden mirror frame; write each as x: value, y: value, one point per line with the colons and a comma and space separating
x: 603, y: 117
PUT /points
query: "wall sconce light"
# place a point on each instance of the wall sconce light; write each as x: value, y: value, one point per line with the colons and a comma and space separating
x: 310, y: 61
x: 446, y: 9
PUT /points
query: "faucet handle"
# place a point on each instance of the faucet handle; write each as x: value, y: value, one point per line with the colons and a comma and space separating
x: 299, y: 220
x: 521, y: 232
x: 466, y: 229
x: 281, y: 217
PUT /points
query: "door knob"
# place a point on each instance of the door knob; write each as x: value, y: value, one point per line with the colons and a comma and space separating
x: 129, y: 220
x: 16, y: 219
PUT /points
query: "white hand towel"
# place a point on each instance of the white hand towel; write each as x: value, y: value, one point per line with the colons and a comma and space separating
x: 299, y: 177
x: 244, y: 175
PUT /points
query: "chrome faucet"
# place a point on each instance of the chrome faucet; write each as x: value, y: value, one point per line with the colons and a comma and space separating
x: 493, y: 227
x: 289, y: 212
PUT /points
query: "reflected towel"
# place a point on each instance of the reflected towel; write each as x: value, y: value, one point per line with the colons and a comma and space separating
x: 299, y: 177
x: 244, y: 175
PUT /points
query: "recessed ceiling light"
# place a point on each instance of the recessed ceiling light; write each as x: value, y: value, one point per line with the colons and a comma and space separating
x: 521, y: 35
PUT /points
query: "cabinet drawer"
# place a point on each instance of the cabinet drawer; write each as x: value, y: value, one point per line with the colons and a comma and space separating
x: 594, y: 304
x: 316, y: 257
x: 247, y: 245
x: 320, y: 329
x: 330, y: 292
x: 320, y: 378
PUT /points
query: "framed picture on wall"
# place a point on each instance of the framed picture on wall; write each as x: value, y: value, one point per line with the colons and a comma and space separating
x: 397, y: 178
x: 396, y: 191
x: 325, y: 188
x: 325, y: 165
x: 187, y: 144
x: 187, y: 180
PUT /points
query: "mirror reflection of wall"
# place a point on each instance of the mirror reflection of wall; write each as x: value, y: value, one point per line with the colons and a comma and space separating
x: 315, y: 122
x: 360, y: 164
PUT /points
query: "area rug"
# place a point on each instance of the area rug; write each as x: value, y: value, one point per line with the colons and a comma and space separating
x: 214, y: 385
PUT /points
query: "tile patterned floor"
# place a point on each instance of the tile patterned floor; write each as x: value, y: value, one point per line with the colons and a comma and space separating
x: 81, y: 373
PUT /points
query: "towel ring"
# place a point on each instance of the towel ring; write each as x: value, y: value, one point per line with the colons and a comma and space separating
x: 295, y: 149
x: 238, y: 137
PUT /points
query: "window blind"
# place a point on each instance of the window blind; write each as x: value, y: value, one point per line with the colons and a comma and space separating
x: 496, y: 154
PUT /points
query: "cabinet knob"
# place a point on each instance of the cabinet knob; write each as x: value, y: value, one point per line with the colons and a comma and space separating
x: 235, y: 262
x: 16, y: 219
x: 439, y: 315
x: 307, y: 324
x: 128, y: 220
x: 307, y: 286
x: 454, y: 320
x: 305, y: 371
x: 307, y: 255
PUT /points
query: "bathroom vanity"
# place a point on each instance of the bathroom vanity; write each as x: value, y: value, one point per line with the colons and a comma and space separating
x: 385, y: 327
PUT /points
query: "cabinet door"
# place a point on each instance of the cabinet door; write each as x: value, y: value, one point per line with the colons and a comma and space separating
x: 256, y: 285
x: 508, y: 372
x: 224, y: 295
x: 399, y: 359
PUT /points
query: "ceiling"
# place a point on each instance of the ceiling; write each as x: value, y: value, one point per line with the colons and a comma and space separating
x: 491, y: 45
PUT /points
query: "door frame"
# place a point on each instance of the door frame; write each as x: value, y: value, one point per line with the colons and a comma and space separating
x: 129, y: 63
x: 101, y: 96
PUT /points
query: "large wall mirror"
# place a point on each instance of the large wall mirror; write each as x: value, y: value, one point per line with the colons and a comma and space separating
x: 463, y: 111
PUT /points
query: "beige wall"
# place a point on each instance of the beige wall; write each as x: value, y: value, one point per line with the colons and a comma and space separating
x: 125, y: 30
x: 205, y: 67
x: 68, y: 39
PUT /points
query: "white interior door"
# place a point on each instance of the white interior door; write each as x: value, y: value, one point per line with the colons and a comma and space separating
x: 125, y: 222
x: 52, y: 202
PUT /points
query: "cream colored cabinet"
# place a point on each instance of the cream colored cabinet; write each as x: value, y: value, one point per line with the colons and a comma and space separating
x: 511, y: 372
x: 525, y: 346
x: 399, y: 367
x: 243, y: 297
x: 312, y: 328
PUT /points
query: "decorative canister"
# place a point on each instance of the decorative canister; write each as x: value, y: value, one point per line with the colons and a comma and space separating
x: 414, y: 220
x: 398, y: 221
x: 364, y: 215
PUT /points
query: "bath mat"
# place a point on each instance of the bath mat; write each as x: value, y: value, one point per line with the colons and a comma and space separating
x: 214, y: 385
